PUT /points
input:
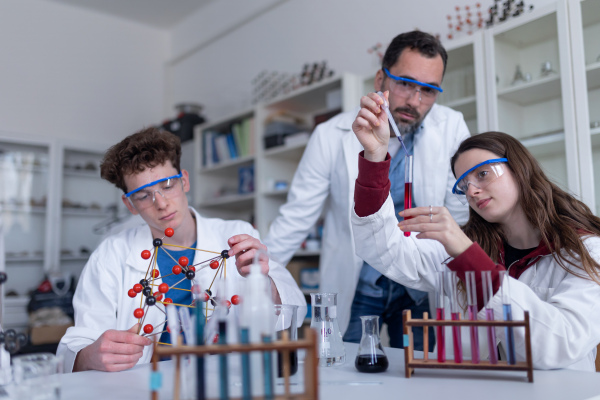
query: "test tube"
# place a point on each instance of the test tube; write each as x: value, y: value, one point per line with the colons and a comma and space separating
x: 268, y: 369
x: 439, y: 313
x: 472, y: 312
x: 200, y: 388
x: 246, y: 382
x: 455, y: 313
x: 507, y: 311
x: 223, y: 367
x: 408, y: 182
x: 486, y: 283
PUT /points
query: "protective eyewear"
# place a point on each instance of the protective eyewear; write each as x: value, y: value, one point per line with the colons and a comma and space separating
x: 406, y: 88
x: 145, y: 196
x: 479, y: 176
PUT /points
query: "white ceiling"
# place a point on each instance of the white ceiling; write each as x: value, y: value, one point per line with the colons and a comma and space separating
x: 162, y: 14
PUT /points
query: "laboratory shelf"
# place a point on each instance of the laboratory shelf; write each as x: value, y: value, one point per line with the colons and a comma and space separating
x: 532, y: 92
x: 230, y: 201
x: 294, y: 151
x: 228, y: 165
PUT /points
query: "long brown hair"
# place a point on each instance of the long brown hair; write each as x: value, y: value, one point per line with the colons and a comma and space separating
x: 561, y: 218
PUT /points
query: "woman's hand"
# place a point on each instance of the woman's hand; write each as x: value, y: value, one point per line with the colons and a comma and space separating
x: 371, y: 127
x: 436, y: 223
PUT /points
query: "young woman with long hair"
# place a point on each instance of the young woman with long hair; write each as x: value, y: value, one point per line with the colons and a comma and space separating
x: 520, y: 222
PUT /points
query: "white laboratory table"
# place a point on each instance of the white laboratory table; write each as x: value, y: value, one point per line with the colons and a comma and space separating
x: 346, y: 383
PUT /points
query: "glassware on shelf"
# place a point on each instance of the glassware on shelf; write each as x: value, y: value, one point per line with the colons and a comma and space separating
x: 519, y: 77
x: 547, y: 69
x: 324, y: 321
x: 370, y: 356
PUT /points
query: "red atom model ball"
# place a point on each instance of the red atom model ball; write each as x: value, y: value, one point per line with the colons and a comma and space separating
x: 214, y: 264
x: 206, y: 297
x: 235, y: 299
x: 138, y: 287
x: 196, y: 289
x: 169, y: 232
x: 146, y: 254
x: 148, y: 328
x: 132, y: 293
x: 163, y: 288
x: 176, y: 269
x: 155, y: 273
x: 138, y: 313
x: 157, y: 296
x: 168, y: 300
x: 228, y: 303
x: 192, y: 268
x: 183, y: 261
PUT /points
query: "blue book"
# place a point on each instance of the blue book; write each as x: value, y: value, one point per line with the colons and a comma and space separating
x: 231, y: 143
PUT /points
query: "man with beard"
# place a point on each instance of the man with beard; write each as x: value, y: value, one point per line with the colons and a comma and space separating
x: 412, y: 70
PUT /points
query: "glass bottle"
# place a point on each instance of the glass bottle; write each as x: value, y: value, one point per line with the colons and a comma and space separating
x: 370, y: 356
x: 324, y: 321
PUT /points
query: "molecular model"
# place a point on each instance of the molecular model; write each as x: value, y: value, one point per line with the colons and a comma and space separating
x: 153, y: 293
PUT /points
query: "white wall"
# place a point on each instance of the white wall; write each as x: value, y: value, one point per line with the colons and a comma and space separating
x: 74, y: 74
x: 219, y: 49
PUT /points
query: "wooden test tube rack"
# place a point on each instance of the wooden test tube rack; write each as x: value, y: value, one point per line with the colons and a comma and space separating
x: 311, y: 362
x: 410, y: 363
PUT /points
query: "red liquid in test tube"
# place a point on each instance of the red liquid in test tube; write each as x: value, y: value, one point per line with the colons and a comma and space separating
x: 441, y: 337
x: 456, y: 339
x: 408, y: 181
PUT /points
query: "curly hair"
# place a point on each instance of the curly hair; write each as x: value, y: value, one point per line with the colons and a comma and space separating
x: 562, y: 219
x: 144, y: 149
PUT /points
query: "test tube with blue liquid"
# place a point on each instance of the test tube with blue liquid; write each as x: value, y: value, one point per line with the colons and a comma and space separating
x: 486, y: 283
x: 472, y: 312
x: 455, y: 313
x: 507, y: 311
x: 439, y: 314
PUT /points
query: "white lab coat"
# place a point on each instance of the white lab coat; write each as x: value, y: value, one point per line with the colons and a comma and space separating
x: 101, y: 301
x: 563, y: 308
x: 328, y: 171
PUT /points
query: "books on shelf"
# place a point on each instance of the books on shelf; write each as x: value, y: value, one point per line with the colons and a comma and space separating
x: 229, y: 144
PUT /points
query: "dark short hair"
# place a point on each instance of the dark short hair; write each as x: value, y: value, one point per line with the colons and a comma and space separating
x: 146, y: 148
x: 426, y: 44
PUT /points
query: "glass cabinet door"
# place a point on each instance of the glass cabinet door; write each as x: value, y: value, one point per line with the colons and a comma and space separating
x: 464, y: 81
x: 24, y: 179
x: 585, y: 30
x: 87, y: 203
x: 530, y: 89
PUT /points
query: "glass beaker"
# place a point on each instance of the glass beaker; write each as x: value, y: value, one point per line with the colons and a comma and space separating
x: 286, y: 321
x: 37, y: 376
x: 324, y: 321
x: 370, y: 356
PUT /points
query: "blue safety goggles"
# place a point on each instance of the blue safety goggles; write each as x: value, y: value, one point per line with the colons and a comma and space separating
x: 152, y: 184
x: 400, y: 78
x: 480, y: 175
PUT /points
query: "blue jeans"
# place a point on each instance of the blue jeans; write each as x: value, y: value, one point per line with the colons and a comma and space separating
x: 389, y: 308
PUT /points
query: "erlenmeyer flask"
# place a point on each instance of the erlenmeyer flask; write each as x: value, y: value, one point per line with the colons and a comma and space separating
x: 370, y: 356
x: 324, y: 321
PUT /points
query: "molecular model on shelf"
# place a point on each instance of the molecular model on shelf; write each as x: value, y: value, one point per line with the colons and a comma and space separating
x: 153, y: 293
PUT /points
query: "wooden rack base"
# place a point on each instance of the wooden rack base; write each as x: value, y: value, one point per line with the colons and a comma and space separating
x: 410, y: 363
x: 311, y: 362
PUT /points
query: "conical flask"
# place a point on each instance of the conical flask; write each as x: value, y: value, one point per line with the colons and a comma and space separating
x: 370, y: 356
x: 324, y: 321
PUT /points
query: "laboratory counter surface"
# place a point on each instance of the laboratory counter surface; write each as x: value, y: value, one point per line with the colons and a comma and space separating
x: 345, y: 382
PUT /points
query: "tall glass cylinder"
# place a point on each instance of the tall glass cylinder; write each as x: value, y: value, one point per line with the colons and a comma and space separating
x: 324, y: 321
x: 455, y: 314
x: 507, y: 311
x: 486, y: 283
x: 472, y: 311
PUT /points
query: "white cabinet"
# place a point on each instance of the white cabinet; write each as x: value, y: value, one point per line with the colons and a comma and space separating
x: 530, y: 89
x: 51, y: 197
x: 585, y: 29
x: 464, y: 81
x: 86, y: 200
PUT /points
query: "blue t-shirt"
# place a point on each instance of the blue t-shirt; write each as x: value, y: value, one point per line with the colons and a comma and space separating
x: 165, y: 266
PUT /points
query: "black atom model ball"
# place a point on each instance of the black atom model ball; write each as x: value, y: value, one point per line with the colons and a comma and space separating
x: 151, y: 300
x: 190, y: 274
x: 225, y: 254
x: 157, y: 242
